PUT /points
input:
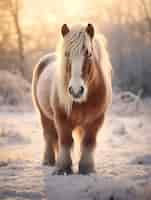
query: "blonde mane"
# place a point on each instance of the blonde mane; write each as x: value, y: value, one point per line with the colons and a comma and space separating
x: 73, y: 43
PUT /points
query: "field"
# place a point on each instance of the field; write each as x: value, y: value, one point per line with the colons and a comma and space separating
x: 123, y: 159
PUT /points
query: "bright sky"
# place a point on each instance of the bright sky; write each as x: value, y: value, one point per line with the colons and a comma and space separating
x: 54, y: 10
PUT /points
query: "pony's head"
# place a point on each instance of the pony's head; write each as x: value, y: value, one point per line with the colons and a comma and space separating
x: 77, y: 59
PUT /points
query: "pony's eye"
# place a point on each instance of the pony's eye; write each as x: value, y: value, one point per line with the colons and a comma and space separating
x: 88, y: 54
x: 66, y: 54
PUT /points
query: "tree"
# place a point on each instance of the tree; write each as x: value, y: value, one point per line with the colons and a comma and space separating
x: 145, y: 8
x: 14, y: 8
x: 10, y: 20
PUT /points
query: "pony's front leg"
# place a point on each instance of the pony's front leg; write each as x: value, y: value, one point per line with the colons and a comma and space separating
x: 64, y: 162
x: 86, y: 164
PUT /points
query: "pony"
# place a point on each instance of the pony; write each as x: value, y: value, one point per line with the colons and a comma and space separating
x: 72, y: 90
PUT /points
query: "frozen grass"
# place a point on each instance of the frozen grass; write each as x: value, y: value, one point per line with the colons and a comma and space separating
x: 11, y: 137
x: 14, y: 90
x: 123, y: 160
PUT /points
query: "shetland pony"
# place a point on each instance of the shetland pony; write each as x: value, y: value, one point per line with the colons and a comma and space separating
x: 72, y: 90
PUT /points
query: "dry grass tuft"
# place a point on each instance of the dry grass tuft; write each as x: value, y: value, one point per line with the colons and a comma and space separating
x: 13, y: 88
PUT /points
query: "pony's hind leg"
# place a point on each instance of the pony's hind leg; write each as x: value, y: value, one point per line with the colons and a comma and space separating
x: 51, y: 140
x: 86, y: 164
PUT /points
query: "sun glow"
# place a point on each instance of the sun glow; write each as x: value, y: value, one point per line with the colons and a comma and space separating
x: 56, y: 12
x: 76, y: 8
x: 79, y: 8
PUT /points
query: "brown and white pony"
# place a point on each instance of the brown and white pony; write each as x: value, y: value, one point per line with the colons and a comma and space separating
x: 72, y: 90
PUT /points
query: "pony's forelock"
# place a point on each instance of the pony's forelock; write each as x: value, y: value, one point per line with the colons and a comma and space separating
x: 72, y: 43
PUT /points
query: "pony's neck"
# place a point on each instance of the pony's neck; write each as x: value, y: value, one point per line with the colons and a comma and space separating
x: 97, y: 81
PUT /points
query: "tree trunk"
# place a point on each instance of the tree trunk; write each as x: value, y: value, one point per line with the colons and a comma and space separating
x: 15, y: 14
x: 147, y: 13
x: 20, y: 45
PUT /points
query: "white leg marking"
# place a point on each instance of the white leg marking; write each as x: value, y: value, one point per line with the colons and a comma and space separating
x: 86, y: 164
x: 64, y: 157
x: 87, y: 155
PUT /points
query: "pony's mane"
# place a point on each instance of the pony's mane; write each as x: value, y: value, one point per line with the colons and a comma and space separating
x: 73, y: 43
x: 103, y: 59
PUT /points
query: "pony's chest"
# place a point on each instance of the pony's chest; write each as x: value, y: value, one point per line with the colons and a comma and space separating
x: 85, y: 112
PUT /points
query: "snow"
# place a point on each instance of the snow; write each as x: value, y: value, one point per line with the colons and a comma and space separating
x: 123, y: 160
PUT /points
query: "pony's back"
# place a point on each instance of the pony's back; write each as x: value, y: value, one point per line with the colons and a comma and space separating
x: 39, y: 68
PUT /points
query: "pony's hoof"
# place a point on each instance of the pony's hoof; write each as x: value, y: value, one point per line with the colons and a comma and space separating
x: 66, y: 171
x: 48, y: 162
x: 86, y: 170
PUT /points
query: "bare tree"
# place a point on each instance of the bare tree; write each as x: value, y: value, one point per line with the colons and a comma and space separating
x: 145, y: 7
x: 10, y: 26
x: 14, y: 8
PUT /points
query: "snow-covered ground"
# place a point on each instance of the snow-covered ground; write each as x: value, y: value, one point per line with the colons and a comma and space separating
x: 123, y: 159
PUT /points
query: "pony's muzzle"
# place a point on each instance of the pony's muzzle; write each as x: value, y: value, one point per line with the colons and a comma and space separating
x: 76, y: 94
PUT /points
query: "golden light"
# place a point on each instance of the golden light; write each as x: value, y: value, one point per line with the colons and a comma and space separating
x: 55, y: 11
x: 76, y: 8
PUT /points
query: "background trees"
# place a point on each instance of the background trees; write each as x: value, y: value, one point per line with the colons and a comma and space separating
x: 27, y: 33
x: 11, y: 33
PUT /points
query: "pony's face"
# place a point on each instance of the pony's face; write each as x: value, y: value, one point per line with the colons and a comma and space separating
x: 78, y: 53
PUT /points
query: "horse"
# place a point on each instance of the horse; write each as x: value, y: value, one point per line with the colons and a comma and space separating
x: 72, y: 90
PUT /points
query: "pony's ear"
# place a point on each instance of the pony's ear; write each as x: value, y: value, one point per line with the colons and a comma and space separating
x: 90, y: 30
x: 64, y: 30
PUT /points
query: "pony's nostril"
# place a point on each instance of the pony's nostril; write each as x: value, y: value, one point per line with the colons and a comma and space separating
x: 81, y: 90
x: 77, y: 94
x: 71, y: 90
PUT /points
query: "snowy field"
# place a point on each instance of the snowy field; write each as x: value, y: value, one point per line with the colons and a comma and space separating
x: 123, y: 159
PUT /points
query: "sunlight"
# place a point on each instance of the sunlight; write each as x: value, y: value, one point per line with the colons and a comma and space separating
x: 82, y: 8
x: 78, y: 8
x: 55, y: 11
